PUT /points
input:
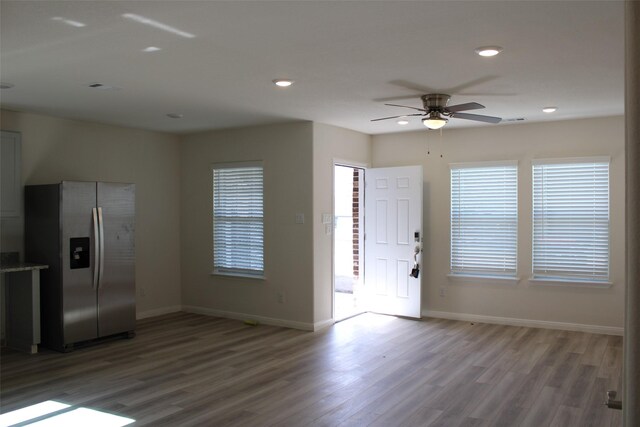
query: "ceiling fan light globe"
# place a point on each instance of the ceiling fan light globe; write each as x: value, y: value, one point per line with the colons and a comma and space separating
x: 436, y: 123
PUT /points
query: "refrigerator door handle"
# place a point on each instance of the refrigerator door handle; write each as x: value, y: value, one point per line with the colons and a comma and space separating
x: 96, y: 248
x: 101, y: 232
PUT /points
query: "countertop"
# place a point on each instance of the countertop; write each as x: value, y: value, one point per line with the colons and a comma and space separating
x: 10, y: 263
x: 21, y: 266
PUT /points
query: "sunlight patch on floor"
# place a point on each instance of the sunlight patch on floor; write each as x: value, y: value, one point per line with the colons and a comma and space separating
x: 57, y: 416
x: 31, y: 412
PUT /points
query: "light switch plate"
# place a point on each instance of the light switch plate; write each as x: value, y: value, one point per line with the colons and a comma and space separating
x: 327, y: 229
x: 326, y: 218
x: 299, y: 218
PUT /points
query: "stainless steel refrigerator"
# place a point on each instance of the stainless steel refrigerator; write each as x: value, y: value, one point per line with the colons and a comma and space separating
x: 84, y: 231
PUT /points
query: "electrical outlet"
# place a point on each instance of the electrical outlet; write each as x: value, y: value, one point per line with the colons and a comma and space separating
x: 299, y: 218
x: 442, y: 291
x: 328, y: 229
x: 142, y: 292
x: 281, y: 298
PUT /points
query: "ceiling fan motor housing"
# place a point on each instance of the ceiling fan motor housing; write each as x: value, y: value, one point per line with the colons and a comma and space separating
x: 435, y: 101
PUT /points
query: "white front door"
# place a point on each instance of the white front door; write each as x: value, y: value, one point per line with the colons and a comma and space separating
x: 393, y: 233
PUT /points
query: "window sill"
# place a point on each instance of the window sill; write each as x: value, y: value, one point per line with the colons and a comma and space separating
x: 483, y: 279
x: 538, y: 281
x: 238, y: 275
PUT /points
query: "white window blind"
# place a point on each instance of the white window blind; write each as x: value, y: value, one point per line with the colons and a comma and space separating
x: 484, y: 220
x: 571, y: 220
x: 238, y: 224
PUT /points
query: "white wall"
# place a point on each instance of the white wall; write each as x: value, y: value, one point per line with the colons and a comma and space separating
x: 286, y: 152
x: 56, y: 149
x: 523, y: 142
x: 329, y: 143
x: 174, y: 227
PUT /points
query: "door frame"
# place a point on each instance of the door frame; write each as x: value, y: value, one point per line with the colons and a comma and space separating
x: 349, y: 164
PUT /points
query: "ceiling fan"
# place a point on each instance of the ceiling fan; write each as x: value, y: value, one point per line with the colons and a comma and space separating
x: 436, y: 112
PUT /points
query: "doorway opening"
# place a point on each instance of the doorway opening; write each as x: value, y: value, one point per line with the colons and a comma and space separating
x: 348, y: 241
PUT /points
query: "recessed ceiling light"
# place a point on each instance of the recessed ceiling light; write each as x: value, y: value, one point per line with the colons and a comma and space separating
x: 403, y: 122
x: 4, y: 85
x: 175, y: 115
x: 283, y: 82
x: 151, y: 49
x: 550, y: 109
x: 488, y: 50
x: 69, y: 22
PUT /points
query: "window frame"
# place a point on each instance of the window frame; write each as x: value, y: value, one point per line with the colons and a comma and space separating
x: 235, y: 272
x: 509, y: 277
x: 541, y: 279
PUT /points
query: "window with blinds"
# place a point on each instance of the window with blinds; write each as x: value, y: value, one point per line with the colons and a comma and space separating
x: 571, y: 220
x: 484, y: 219
x: 238, y: 223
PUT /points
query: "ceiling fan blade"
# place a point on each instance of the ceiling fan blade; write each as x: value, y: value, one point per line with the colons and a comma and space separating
x: 420, y: 90
x: 486, y: 94
x: 397, y: 98
x: 464, y: 107
x: 456, y: 89
x: 406, y: 106
x: 397, y: 117
x: 413, y: 86
x: 477, y: 117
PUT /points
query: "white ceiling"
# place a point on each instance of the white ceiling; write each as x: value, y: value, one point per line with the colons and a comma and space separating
x: 346, y: 57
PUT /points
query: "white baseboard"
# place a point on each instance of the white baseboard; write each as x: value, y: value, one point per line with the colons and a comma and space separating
x: 594, y: 329
x: 323, y: 324
x: 158, y: 312
x: 242, y: 316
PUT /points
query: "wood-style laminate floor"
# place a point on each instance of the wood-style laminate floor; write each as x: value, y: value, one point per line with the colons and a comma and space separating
x: 186, y: 369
